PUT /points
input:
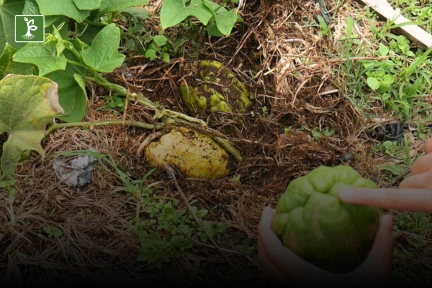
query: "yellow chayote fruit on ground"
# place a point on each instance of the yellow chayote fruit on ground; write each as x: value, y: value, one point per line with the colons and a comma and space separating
x: 194, y: 153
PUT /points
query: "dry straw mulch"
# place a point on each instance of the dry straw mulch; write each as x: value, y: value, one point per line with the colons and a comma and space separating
x: 284, y: 64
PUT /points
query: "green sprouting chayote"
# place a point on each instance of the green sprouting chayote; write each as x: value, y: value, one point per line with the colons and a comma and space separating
x: 211, y: 87
x: 314, y: 223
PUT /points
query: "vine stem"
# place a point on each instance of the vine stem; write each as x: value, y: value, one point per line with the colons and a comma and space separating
x: 71, y: 48
x: 170, y: 117
x: 76, y: 63
x: 129, y: 123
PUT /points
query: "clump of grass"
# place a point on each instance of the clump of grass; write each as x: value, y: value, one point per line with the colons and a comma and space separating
x: 386, y: 76
x: 396, y: 77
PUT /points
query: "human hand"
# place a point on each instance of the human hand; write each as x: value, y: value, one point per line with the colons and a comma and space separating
x: 414, y: 194
x: 285, y: 267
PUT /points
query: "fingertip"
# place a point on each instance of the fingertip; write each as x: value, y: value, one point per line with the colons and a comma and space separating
x: 346, y: 194
x: 266, y: 217
x: 429, y: 145
x: 387, y: 221
x: 268, y: 210
x: 268, y: 213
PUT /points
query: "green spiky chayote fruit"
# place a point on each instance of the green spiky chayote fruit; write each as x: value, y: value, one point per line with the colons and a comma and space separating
x: 211, y: 87
x: 314, y: 223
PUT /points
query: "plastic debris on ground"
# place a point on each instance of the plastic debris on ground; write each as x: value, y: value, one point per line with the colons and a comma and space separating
x: 75, y: 171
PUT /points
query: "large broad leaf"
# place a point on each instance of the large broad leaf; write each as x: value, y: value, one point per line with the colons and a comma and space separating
x: 8, y: 66
x: 27, y: 104
x: 138, y: 12
x: 89, y: 34
x: 103, y: 55
x: 8, y: 10
x: 63, y: 7
x: 87, y: 4
x: 72, y: 92
x: 175, y: 11
x: 115, y: 5
x: 31, y: 8
x: 43, y: 55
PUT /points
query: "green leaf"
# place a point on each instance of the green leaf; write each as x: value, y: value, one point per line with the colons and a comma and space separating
x: 116, y: 5
x: 394, y: 169
x: 386, y: 82
x: 166, y: 57
x: 213, y: 30
x: 8, y: 10
x: 27, y: 104
x: 136, y: 12
x: 383, y: 50
x: 150, y: 53
x: 89, y: 34
x: 225, y: 20
x: 43, y: 55
x: 32, y: 8
x: 160, y: 40
x: 350, y: 25
x: 174, y: 11
x: 61, y: 21
x: 103, y: 55
x: 64, y: 7
x: 72, y: 92
x: 373, y: 83
x: 8, y: 66
x: 87, y: 4
x: 420, y: 60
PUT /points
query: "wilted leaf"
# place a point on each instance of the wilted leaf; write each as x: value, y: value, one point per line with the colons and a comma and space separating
x: 27, y: 104
x: 103, y: 55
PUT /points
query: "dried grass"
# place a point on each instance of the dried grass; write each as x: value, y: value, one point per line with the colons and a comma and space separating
x: 282, y: 62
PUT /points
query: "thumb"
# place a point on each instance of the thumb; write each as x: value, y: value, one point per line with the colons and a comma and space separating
x: 379, y: 260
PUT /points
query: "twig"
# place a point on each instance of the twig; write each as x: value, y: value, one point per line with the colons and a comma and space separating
x: 128, y: 123
x: 397, y: 179
x: 360, y: 58
x: 170, y: 172
x: 147, y: 142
